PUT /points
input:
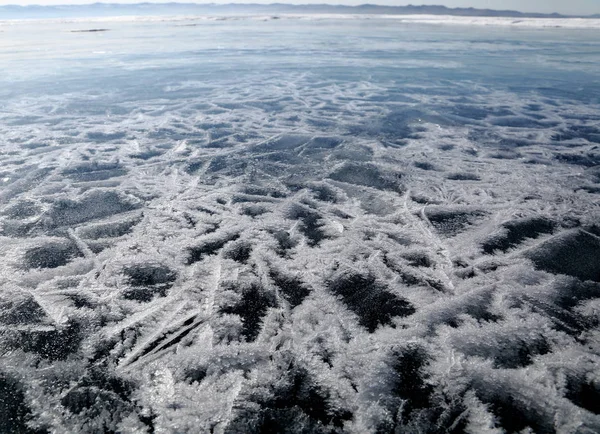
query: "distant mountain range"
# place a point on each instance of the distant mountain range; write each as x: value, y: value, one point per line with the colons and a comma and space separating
x: 153, y: 9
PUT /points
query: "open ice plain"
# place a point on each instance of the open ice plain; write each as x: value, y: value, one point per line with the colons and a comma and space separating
x: 298, y: 225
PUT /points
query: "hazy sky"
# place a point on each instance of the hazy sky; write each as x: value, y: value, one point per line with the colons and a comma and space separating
x: 562, y: 6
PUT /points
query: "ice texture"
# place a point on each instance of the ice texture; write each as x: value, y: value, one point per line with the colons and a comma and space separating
x: 308, y: 224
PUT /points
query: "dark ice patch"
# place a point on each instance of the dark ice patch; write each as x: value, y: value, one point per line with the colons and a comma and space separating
x: 147, y: 281
x: 95, y: 204
x: 282, y: 143
x: 84, y: 399
x: 474, y: 112
x: 574, y: 253
x: 247, y: 198
x: 508, y: 352
x: 515, y: 232
x: 168, y: 134
x: 144, y: 294
x: 400, y: 124
x: 100, y: 398
x: 463, y: 176
x: 94, y: 171
x: 368, y: 175
x: 208, y: 248
x: 494, y: 138
x: 450, y: 222
x: 254, y: 210
x: 560, y: 310
x: 252, y: 307
x: 520, y: 122
x: 216, y: 134
x: 323, y: 193
x: 424, y: 165
x: 418, y: 259
x: 193, y: 167
x: 409, y: 378
x: 587, y: 159
x: 147, y: 155
x: 257, y: 190
x: 22, y: 210
x: 353, y: 153
x: 413, y: 400
x: 281, y: 157
x: 534, y: 107
x: 310, y: 223
x: 238, y: 251
x: 109, y: 230
x: 513, y: 414
x: 505, y: 155
x: 98, y: 136
x: 592, y: 189
x: 195, y: 374
x: 221, y: 163
x: 586, y: 132
x: 149, y: 275
x: 284, y: 242
x: 324, y: 143
x: 56, y: 344
x: 90, y: 31
x: 98, y: 246
x: 14, y: 412
x: 424, y: 200
x: 21, y: 311
x: 583, y: 392
x: 213, y: 125
x: 294, y: 404
x: 369, y: 299
x: 292, y: 288
x: 51, y: 255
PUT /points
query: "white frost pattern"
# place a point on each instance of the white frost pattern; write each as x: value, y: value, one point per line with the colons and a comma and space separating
x: 297, y: 253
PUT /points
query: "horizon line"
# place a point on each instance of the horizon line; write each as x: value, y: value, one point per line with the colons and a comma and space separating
x: 341, y: 5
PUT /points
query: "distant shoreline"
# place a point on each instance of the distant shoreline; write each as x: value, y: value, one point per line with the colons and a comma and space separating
x: 196, y: 20
x: 11, y: 12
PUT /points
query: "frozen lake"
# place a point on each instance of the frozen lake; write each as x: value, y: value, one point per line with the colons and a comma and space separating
x: 306, y: 224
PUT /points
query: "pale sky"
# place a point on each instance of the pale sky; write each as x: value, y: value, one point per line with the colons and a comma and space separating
x: 562, y: 6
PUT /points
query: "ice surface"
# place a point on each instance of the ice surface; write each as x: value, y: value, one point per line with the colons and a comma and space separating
x: 89, y: 25
x: 569, y: 23
x: 306, y: 224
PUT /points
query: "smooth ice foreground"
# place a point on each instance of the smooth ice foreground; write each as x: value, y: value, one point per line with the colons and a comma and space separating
x: 320, y: 226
